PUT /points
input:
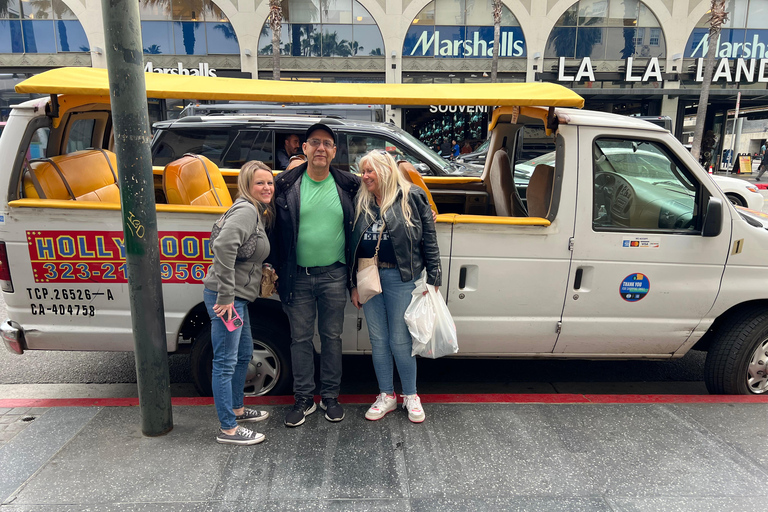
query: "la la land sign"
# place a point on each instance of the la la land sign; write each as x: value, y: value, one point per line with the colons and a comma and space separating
x: 739, y: 70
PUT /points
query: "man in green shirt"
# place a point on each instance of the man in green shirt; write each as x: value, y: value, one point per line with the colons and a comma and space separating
x: 315, y: 211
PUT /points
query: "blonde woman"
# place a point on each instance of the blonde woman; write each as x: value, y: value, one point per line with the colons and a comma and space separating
x: 388, y: 206
x: 239, y: 250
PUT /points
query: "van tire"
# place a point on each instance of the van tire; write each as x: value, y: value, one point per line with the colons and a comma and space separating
x: 736, y: 199
x: 740, y: 341
x: 271, y: 351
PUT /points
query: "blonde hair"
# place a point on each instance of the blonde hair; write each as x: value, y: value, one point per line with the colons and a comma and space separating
x: 391, y: 181
x: 244, y: 184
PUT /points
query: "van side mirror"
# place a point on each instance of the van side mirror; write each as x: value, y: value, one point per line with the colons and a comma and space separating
x: 422, y: 168
x: 713, y: 219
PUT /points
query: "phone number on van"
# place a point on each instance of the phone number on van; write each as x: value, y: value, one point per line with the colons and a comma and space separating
x: 99, y: 256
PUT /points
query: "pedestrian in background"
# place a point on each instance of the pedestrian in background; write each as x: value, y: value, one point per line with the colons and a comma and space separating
x: 455, y: 149
x: 234, y: 280
x: 466, y: 148
x: 315, y: 205
x: 763, y: 164
x: 389, y: 208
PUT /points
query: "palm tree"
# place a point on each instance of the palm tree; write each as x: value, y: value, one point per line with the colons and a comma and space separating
x: 496, y: 39
x: 153, y: 50
x: 276, y: 24
x: 717, y: 17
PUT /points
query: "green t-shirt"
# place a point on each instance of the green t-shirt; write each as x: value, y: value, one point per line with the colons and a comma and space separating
x: 321, y: 224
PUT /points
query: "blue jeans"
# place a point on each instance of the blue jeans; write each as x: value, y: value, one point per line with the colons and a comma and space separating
x: 321, y: 296
x: 390, y: 338
x: 232, y: 351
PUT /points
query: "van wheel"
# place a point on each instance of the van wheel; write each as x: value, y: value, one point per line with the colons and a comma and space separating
x: 269, y: 372
x: 737, y: 362
x: 736, y: 200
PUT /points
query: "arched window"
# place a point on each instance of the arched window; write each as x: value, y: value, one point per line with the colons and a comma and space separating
x: 606, y: 30
x: 744, y: 35
x: 462, y: 29
x: 186, y: 27
x: 40, y: 26
x: 331, y: 28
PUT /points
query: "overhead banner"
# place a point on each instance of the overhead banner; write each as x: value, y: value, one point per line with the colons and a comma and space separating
x: 457, y: 42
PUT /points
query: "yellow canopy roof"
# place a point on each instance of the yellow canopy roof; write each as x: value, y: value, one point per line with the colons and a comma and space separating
x: 94, y: 81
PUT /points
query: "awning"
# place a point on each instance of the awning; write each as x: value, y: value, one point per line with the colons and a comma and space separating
x: 94, y: 82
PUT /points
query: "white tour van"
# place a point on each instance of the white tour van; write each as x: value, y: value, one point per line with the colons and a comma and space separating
x: 603, y: 259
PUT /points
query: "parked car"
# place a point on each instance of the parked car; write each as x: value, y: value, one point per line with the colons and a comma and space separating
x: 231, y: 140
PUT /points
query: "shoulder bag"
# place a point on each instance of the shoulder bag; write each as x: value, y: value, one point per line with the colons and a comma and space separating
x: 368, y: 282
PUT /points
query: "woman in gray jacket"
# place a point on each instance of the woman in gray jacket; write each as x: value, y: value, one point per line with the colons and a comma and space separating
x: 390, y: 208
x: 239, y: 250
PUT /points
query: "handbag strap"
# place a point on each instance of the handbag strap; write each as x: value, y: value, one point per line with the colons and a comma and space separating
x: 381, y: 234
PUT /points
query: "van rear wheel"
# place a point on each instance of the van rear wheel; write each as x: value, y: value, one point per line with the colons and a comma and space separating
x: 737, y: 362
x: 269, y: 372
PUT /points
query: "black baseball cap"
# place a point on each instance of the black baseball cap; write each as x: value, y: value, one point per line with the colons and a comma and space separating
x: 321, y: 126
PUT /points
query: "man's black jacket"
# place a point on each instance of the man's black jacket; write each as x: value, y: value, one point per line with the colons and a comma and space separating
x: 286, y: 230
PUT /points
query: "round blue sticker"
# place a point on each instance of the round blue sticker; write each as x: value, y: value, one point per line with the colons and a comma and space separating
x: 634, y: 287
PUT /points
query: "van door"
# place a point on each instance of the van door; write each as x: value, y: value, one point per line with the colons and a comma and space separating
x: 642, y: 274
x: 507, y: 276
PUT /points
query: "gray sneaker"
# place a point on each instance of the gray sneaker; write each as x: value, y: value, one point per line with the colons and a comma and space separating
x: 252, y: 415
x: 242, y: 436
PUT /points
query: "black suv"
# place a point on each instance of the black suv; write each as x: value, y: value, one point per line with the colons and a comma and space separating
x: 231, y: 140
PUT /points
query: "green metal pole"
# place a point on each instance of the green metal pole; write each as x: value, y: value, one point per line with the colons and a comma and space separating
x: 127, y: 91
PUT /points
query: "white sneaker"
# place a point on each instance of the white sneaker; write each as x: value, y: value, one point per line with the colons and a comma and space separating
x: 412, y: 404
x: 384, y: 404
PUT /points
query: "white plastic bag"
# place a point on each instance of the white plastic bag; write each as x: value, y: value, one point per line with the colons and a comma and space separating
x: 443, y: 341
x: 420, y: 315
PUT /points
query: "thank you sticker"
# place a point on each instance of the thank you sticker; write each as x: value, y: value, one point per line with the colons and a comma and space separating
x: 634, y: 287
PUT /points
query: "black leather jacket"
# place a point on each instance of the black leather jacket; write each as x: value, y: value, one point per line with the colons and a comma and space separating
x: 286, y: 231
x: 415, y: 246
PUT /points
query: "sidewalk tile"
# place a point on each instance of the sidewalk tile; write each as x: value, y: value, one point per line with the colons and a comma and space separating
x: 19, y: 410
x: 690, y: 503
x: 516, y: 504
x: 10, y: 418
x: 27, y: 452
x: 120, y: 465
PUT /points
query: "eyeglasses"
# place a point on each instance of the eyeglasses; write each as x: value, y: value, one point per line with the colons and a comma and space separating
x: 327, y: 144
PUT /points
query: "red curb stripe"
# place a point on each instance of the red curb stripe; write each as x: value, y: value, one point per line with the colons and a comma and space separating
x: 435, y: 399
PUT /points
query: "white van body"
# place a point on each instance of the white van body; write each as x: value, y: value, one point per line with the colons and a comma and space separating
x: 620, y: 265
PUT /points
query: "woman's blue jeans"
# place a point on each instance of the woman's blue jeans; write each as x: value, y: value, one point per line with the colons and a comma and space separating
x: 232, y: 351
x: 390, y: 338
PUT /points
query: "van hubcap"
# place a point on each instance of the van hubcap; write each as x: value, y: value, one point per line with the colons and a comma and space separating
x: 263, y: 371
x: 757, y: 371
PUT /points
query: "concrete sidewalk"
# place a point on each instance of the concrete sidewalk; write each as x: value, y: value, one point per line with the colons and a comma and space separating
x: 578, y: 453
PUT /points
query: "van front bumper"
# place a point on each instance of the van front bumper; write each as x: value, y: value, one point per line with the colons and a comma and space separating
x: 13, y: 336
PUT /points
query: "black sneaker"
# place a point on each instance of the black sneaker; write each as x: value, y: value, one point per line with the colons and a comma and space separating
x: 242, y: 436
x: 252, y: 415
x: 333, y: 409
x: 303, y: 407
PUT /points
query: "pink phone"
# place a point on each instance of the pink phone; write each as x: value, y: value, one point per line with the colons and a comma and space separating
x: 235, y: 323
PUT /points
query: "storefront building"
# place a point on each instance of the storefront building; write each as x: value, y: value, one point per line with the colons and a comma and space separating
x: 624, y: 56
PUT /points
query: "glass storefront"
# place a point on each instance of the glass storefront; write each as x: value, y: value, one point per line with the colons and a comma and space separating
x: 331, y: 28
x: 40, y: 26
x: 459, y: 29
x: 186, y: 27
x: 606, y: 30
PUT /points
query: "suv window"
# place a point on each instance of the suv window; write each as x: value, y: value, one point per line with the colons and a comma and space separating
x: 639, y: 185
x: 80, y: 135
x: 248, y: 145
x: 358, y: 144
x: 173, y: 144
